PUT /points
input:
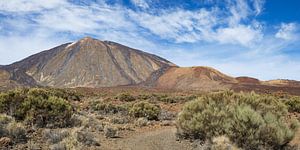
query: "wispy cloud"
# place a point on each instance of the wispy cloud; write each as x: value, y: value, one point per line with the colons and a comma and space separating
x: 287, y: 31
x: 141, y: 3
x: 23, y: 6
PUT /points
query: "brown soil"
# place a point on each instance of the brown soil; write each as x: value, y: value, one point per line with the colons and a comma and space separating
x: 149, y: 139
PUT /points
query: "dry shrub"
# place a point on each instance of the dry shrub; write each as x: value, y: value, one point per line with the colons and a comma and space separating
x: 251, y: 121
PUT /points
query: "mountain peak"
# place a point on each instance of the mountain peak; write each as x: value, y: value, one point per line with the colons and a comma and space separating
x: 88, y: 39
x: 89, y: 63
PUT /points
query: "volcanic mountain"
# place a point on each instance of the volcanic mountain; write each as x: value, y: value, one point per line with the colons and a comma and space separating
x: 93, y: 63
x: 86, y: 63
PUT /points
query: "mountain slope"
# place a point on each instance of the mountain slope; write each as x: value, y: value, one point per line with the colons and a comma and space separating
x: 87, y: 63
x: 283, y: 82
x: 6, y: 82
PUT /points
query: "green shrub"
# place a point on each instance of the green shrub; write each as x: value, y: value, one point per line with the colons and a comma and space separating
x: 205, y: 117
x: 126, y: 97
x: 145, y: 109
x: 61, y: 93
x: 109, y: 108
x: 144, y: 97
x: 167, y: 99
x: 293, y: 104
x: 251, y: 121
x: 53, y: 111
x: 11, y: 101
x: 36, y: 106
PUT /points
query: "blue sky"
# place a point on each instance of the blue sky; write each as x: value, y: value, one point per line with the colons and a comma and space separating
x: 258, y: 38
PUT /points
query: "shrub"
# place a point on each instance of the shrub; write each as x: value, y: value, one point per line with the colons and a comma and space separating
x: 205, y: 117
x: 53, y: 111
x: 167, y: 99
x: 17, y: 132
x: 61, y: 93
x: 145, y: 109
x: 36, y: 106
x: 10, y: 128
x: 110, y: 132
x: 126, y: 97
x: 11, y: 101
x: 109, y: 108
x: 293, y: 104
x: 4, y: 121
x: 54, y: 136
x: 87, y: 138
x: 144, y: 97
x: 251, y: 121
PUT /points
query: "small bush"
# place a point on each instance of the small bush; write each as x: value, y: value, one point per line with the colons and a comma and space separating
x: 126, y: 97
x: 17, y: 132
x: 12, y: 129
x: 145, y: 109
x: 87, y: 138
x: 251, y: 121
x: 293, y: 104
x: 54, y: 136
x: 173, y: 99
x: 144, y: 97
x: 140, y: 122
x: 110, y: 132
x: 109, y: 108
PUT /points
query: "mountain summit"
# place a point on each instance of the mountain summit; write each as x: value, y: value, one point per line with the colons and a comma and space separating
x: 87, y: 63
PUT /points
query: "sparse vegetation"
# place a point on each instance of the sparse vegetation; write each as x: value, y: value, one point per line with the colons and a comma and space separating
x: 251, y: 121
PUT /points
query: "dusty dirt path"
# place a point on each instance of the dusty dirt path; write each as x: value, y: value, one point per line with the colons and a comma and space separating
x: 157, y: 139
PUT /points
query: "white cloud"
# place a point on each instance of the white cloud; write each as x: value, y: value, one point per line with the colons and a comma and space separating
x: 179, y: 25
x: 287, y: 31
x: 239, y: 10
x: 241, y: 34
x: 203, y: 25
x: 141, y: 3
x: 29, y: 5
